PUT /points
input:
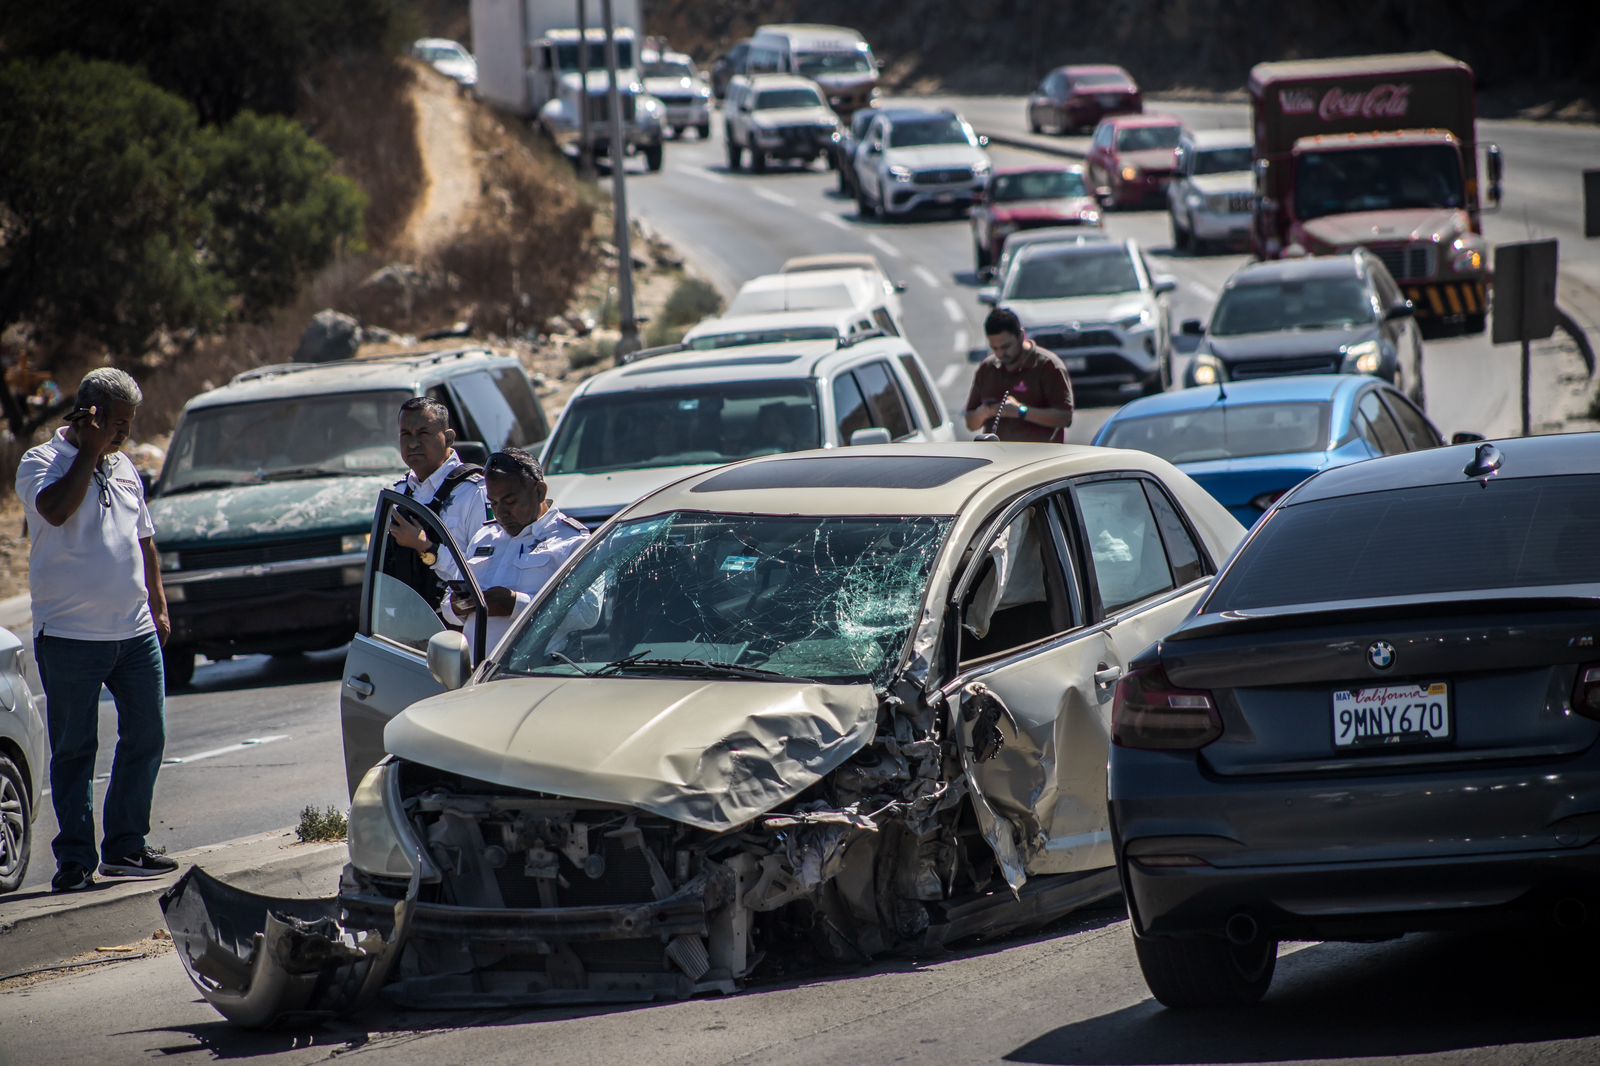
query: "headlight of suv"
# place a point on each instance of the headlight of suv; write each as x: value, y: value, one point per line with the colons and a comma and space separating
x: 1194, y: 200
x: 1364, y: 358
x: 981, y: 168
x: 376, y: 843
x: 899, y: 173
x: 1138, y: 321
x: 1207, y: 370
x: 355, y: 543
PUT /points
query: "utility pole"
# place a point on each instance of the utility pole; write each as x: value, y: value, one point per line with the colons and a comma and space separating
x: 629, y: 342
x: 585, y: 142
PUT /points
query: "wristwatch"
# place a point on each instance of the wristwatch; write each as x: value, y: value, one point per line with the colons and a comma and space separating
x: 428, y: 555
x: 1022, y: 411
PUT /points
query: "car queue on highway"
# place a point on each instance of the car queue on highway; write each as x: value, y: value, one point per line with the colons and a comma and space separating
x: 826, y: 676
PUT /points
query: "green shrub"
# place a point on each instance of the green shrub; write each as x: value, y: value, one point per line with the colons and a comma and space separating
x: 326, y: 824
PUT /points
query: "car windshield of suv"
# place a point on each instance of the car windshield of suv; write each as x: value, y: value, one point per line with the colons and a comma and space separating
x: 818, y: 64
x: 771, y: 99
x: 1061, y: 275
x: 1459, y: 537
x: 1273, y: 306
x: 1144, y: 138
x: 1101, y: 81
x: 1039, y: 185
x: 332, y: 435
x: 935, y: 129
x: 706, y: 425
x: 760, y: 597
x: 567, y: 55
x: 1221, y: 160
x: 665, y: 69
x: 1225, y: 431
x: 1377, y: 179
x: 743, y: 337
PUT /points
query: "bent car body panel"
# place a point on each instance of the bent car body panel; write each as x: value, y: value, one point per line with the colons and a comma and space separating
x: 712, y: 754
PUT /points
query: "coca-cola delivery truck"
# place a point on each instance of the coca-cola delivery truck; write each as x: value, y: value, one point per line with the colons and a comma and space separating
x: 1377, y: 151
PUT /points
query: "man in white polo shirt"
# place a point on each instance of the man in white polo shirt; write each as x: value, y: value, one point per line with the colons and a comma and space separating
x: 99, y: 618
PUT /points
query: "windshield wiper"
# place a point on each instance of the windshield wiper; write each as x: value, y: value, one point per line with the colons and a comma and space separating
x: 297, y: 473
x: 709, y: 666
x: 202, y: 486
x: 564, y: 658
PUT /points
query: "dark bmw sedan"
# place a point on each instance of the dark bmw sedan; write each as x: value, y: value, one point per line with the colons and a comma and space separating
x: 1381, y: 719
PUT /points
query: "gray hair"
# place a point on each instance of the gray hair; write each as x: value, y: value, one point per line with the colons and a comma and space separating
x: 106, y: 385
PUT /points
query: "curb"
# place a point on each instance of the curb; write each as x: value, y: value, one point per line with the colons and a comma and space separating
x: 44, y: 929
x: 1579, y: 335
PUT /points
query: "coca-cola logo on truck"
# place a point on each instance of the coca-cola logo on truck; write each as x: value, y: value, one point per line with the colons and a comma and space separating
x: 1381, y: 101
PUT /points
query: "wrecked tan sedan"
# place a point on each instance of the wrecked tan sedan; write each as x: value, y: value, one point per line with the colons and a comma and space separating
x: 836, y: 703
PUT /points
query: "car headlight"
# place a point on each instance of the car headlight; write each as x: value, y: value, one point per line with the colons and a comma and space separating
x: 1206, y: 370
x: 704, y: 93
x: 1138, y: 321
x: 650, y: 105
x: 376, y: 843
x: 176, y: 593
x: 1364, y: 358
x: 169, y: 561
x: 981, y: 169
x: 1467, y: 261
x: 1130, y: 173
x: 899, y: 173
x: 355, y: 543
x: 1194, y: 200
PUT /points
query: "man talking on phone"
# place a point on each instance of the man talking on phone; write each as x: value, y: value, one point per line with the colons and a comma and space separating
x: 99, y: 618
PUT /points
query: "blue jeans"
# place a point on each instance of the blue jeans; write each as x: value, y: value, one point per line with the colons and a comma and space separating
x: 72, y: 672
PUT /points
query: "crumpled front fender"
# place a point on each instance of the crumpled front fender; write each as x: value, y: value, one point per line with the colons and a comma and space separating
x: 262, y: 961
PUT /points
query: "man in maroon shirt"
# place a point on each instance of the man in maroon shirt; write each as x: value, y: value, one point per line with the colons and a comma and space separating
x: 1021, y: 392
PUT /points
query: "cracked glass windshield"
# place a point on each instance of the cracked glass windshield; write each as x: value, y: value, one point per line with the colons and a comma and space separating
x: 756, y: 596
x: 339, y: 435
x: 703, y: 426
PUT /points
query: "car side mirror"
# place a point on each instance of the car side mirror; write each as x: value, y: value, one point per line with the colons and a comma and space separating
x: 1165, y: 283
x: 1193, y: 327
x: 983, y: 140
x: 870, y: 435
x: 989, y: 294
x: 449, y: 659
x: 473, y: 452
x: 1399, y: 309
x: 878, y: 64
x: 899, y: 286
x: 1466, y: 438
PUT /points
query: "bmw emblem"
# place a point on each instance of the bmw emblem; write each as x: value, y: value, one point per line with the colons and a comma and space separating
x: 1380, y: 653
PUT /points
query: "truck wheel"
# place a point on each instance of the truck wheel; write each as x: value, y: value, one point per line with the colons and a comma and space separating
x: 16, y: 826
x: 652, y: 157
x: 177, y: 663
x: 1205, y: 971
x: 758, y: 161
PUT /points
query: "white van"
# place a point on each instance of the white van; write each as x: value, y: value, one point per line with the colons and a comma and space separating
x: 836, y: 58
x: 850, y: 289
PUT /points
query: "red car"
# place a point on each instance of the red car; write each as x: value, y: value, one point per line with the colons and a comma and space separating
x: 1132, y: 158
x: 1027, y: 198
x: 1075, y: 98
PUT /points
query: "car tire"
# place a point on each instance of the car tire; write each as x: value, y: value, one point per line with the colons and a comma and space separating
x: 652, y: 158
x: 177, y: 662
x: 1033, y: 123
x: 844, y: 186
x: 16, y: 826
x: 980, y: 259
x: 758, y: 161
x: 735, y: 153
x: 1204, y: 971
x: 863, y: 208
x: 1180, y: 236
x: 704, y: 130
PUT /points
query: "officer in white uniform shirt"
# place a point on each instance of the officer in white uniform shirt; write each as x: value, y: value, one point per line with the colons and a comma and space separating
x: 439, y: 480
x: 514, y: 557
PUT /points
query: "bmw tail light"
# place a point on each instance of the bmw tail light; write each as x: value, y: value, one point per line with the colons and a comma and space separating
x: 1151, y: 712
x: 1586, y: 693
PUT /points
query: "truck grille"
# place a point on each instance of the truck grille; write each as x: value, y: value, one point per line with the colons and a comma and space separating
x: 1241, y: 203
x: 600, y: 107
x: 675, y: 99
x: 1271, y: 368
x: 942, y: 176
x: 1405, y: 261
x: 1064, y: 340
x: 256, y: 554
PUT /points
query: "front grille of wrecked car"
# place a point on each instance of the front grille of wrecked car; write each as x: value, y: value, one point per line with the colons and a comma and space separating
x: 626, y: 880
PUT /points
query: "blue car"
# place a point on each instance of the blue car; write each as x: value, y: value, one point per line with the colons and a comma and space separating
x: 1249, y: 442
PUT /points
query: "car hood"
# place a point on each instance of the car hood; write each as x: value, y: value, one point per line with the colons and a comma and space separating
x: 1365, y: 227
x: 579, y: 494
x: 1229, y: 182
x: 670, y: 86
x: 1149, y: 159
x: 935, y: 155
x: 1034, y: 313
x: 794, y: 116
x: 1043, y: 210
x: 1287, y: 343
x: 1235, y: 482
x: 245, y: 513
x: 711, y: 754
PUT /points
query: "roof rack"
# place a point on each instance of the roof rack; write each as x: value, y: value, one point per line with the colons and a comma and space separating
x: 651, y: 353
x: 261, y: 373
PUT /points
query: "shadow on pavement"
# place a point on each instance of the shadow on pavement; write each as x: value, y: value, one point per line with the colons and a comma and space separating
x: 1420, y: 996
x: 263, y: 671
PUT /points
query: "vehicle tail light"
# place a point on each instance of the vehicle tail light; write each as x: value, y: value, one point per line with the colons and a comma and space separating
x: 1267, y: 499
x: 1586, y: 693
x: 1151, y: 712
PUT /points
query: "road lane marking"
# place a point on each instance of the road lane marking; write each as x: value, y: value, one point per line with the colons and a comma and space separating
x: 948, y: 375
x: 953, y: 309
x: 929, y: 278
x: 702, y: 173
x: 833, y: 220
x: 883, y: 246
x: 200, y: 756
x: 775, y: 197
x: 959, y: 342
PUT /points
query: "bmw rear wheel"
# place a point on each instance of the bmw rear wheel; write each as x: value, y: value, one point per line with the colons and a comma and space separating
x: 1205, y: 971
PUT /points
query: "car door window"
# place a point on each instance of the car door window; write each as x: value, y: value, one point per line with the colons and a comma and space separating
x: 1415, y: 428
x: 403, y: 596
x: 1125, y: 548
x: 465, y: 428
x: 1380, y: 431
x: 480, y: 395
x: 531, y: 426
x: 885, y: 399
x: 849, y: 407
x: 919, y: 381
x: 884, y: 321
x: 1020, y: 594
x: 1183, y: 551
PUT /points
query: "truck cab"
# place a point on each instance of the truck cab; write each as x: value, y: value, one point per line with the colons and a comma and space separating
x: 1378, y: 152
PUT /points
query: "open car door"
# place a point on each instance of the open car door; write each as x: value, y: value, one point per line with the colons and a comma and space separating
x: 386, y: 669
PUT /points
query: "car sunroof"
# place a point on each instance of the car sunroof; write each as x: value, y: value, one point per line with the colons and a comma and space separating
x: 845, y: 472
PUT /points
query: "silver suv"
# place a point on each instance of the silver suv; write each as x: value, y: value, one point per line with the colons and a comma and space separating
x: 776, y: 116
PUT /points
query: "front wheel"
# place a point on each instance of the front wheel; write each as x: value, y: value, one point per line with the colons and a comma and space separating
x: 16, y: 826
x: 735, y: 153
x: 863, y: 208
x: 652, y: 157
x: 1181, y: 239
x: 177, y: 662
x: 1205, y: 971
x: 704, y: 130
x: 980, y: 257
x: 758, y: 161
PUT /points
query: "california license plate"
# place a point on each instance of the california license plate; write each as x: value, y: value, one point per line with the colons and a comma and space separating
x: 1076, y: 364
x: 1391, y: 715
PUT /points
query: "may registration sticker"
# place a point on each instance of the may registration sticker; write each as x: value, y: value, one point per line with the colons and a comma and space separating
x: 1391, y: 714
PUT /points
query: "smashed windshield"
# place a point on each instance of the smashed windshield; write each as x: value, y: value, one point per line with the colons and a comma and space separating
x: 1225, y: 432
x: 706, y: 425
x: 935, y: 129
x: 1377, y: 179
x: 1274, y: 306
x: 1144, y: 138
x: 1037, y: 185
x: 342, y: 434
x: 1067, y: 274
x: 740, y: 338
x: 773, y: 99
x: 1221, y: 160
x: 765, y: 597
x: 818, y: 64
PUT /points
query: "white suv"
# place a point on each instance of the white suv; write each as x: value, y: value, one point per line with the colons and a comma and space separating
x: 913, y: 159
x: 776, y: 116
x: 666, y: 414
x: 1212, y: 194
